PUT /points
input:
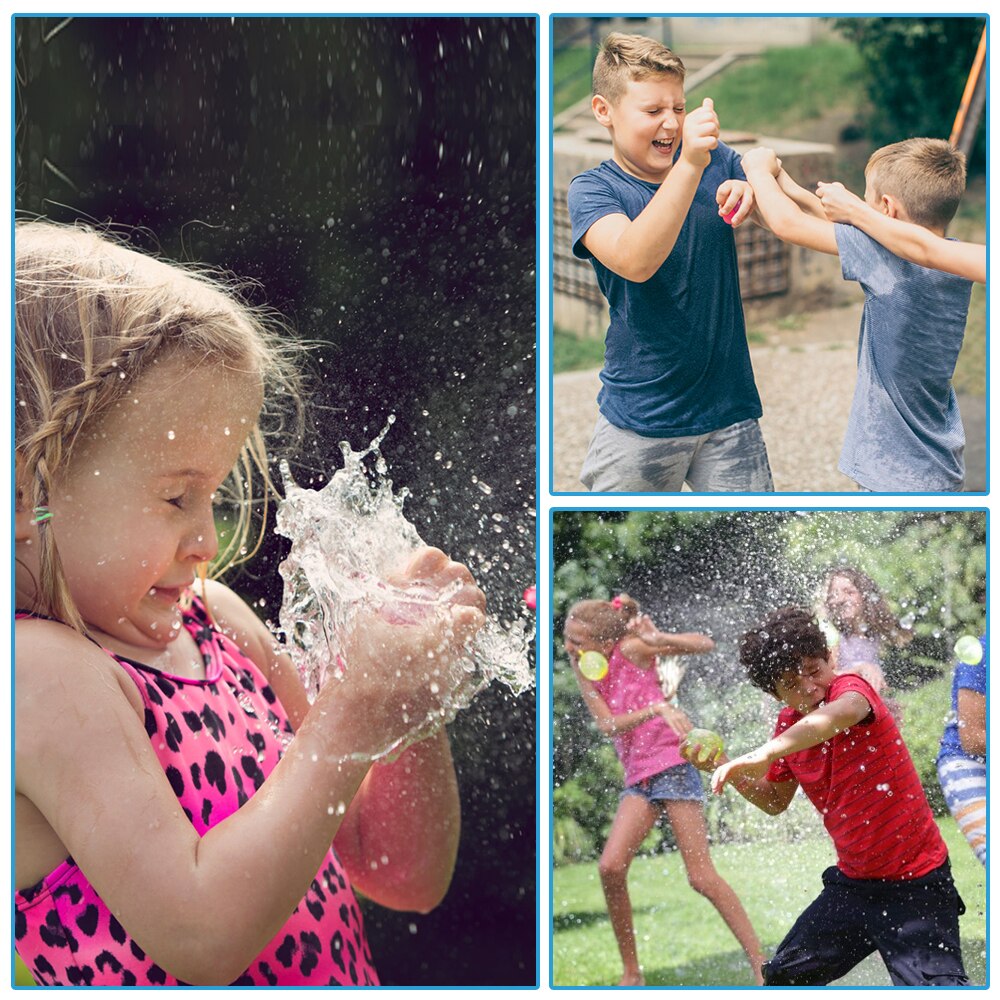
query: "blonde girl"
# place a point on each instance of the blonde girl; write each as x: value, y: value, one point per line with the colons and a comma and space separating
x: 629, y: 705
x: 183, y: 815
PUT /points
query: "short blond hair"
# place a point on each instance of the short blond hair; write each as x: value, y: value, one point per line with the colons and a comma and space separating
x: 631, y: 57
x: 91, y: 317
x: 926, y: 176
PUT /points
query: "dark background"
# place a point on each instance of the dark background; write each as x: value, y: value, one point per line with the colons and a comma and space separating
x: 376, y: 177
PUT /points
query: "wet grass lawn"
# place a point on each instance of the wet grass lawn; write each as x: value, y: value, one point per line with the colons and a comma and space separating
x: 682, y: 940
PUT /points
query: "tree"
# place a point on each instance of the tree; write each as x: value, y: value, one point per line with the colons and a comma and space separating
x: 916, y: 69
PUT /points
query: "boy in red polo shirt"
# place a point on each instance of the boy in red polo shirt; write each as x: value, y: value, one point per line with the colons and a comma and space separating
x: 891, y: 890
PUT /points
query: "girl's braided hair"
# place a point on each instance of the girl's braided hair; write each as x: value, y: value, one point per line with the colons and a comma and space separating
x: 91, y: 316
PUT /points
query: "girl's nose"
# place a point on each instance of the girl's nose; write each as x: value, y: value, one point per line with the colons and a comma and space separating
x: 201, y: 543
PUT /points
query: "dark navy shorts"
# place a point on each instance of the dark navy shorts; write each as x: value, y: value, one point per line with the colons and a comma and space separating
x: 913, y: 925
x: 679, y: 782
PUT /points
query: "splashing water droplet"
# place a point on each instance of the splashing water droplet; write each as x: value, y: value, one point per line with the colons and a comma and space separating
x: 348, y: 540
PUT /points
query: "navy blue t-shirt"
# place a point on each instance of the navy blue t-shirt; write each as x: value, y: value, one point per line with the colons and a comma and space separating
x: 904, y: 432
x: 676, y: 360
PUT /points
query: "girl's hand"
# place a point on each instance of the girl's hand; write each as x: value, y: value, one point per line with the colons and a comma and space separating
x: 732, y: 193
x: 642, y: 626
x: 753, y: 765
x: 403, y: 669
x: 839, y: 204
x: 701, y: 135
x: 871, y: 673
x: 674, y: 717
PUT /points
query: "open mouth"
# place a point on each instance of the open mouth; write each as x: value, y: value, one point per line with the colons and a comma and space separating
x: 664, y: 145
x: 166, y: 595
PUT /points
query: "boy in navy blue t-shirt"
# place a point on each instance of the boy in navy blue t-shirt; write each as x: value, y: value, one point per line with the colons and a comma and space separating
x: 678, y: 401
x: 904, y: 432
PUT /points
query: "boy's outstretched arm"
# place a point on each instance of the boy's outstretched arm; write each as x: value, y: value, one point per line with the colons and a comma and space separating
x: 772, y: 797
x: 802, y: 197
x: 904, y: 239
x: 819, y: 725
x: 635, y: 248
x: 782, y: 215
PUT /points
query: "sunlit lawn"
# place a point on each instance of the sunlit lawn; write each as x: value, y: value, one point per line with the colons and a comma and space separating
x: 682, y: 940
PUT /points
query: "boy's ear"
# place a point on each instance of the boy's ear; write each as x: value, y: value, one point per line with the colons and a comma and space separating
x: 601, y: 107
x: 889, y: 206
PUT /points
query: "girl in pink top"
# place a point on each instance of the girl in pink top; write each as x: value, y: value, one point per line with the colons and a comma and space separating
x: 183, y: 814
x: 629, y: 705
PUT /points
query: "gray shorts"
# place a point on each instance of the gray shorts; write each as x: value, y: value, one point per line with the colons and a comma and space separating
x: 730, y: 460
x: 681, y: 781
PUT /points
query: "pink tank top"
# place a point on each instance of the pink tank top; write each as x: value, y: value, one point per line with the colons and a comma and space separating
x: 651, y: 747
x: 217, y: 739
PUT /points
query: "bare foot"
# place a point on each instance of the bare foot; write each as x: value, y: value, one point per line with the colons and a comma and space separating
x: 632, y: 979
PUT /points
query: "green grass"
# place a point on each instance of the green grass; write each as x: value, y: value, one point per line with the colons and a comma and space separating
x: 21, y: 975
x: 774, y: 91
x: 970, y: 372
x: 573, y: 353
x: 567, y: 91
x: 970, y: 224
x: 682, y: 940
x: 782, y: 88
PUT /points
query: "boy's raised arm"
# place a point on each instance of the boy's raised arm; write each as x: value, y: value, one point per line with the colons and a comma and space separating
x: 636, y: 248
x: 783, y: 216
x: 905, y: 239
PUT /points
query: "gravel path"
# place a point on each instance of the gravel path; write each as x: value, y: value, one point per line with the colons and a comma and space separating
x: 806, y: 381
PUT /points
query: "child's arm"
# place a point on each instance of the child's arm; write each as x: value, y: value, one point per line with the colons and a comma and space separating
x: 772, y: 797
x: 802, y: 197
x: 781, y: 214
x: 635, y: 249
x: 86, y: 763
x: 647, y: 640
x: 818, y: 726
x: 905, y: 239
x: 972, y: 722
x: 406, y: 810
x: 610, y: 724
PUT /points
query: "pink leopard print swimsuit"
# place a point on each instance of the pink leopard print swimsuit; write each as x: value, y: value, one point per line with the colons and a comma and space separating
x: 217, y: 739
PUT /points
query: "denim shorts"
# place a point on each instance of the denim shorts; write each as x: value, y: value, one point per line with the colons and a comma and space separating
x: 728, y: 460
x: 681, y: 781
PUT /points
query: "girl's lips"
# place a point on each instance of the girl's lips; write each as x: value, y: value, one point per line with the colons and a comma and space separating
x: 167, y: 595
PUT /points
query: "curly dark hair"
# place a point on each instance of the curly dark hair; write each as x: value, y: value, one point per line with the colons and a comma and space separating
x: 778, y: 645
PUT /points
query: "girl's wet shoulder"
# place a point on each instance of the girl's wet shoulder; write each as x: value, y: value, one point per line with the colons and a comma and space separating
x: 48, y: 654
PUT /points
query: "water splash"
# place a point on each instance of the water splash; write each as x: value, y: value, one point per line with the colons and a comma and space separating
x: 348, y: 540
